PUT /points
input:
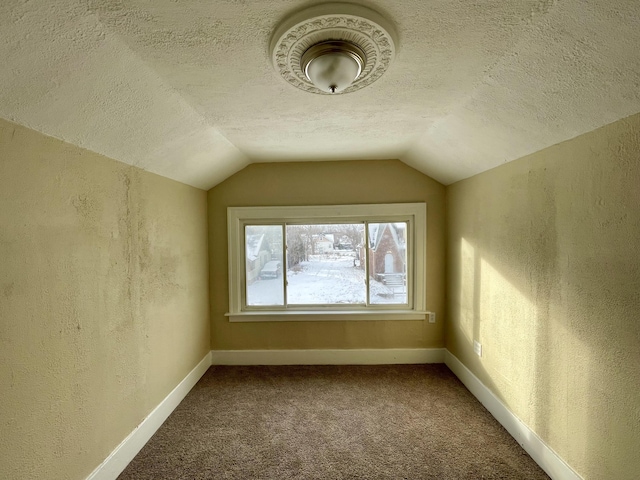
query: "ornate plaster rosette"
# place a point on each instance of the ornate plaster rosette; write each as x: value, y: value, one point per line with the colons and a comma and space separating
x: 334, y: 21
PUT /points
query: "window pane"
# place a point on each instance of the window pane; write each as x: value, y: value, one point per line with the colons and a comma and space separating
x: 264, y: 279
x: 388, y: 263
x: 323, y: 264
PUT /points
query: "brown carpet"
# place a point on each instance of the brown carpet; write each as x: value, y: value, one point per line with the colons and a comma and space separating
x: 331, y: 422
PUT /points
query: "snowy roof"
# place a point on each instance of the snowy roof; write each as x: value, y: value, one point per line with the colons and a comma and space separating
x: 254, y: 245
x: 377, y: 232
x: 323, y: 237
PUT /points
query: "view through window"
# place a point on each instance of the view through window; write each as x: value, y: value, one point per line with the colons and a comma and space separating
x: 322, y: 262
x: 326, y: 264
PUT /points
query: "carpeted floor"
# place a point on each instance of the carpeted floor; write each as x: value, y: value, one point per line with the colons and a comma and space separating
x: 331, y: 422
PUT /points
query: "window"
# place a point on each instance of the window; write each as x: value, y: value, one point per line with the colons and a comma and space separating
x: 327, y: 262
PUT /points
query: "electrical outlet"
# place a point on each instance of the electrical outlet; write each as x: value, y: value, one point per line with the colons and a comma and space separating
x: 477, y: 347
x: 432, y: 317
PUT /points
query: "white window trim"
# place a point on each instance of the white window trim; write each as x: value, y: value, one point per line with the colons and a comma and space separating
x: 414, y: 213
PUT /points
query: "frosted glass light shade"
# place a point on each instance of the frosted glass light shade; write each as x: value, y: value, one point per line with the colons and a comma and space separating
x: 333, y: 72
x: 333, y: 66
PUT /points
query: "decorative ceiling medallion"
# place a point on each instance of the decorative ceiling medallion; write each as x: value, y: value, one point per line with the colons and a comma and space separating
x: 339, y: 22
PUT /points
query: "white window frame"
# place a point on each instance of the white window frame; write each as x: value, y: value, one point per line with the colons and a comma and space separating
x: 415, y: 214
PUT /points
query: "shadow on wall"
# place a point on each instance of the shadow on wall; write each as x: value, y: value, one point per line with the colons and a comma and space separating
x: 550, y: 295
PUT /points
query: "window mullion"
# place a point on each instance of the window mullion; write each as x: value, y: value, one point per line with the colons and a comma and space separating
x: 243, y: 271
x: 366, y: 263
x: 285, y: 262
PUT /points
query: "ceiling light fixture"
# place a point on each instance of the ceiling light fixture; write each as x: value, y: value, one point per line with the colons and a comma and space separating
x: 333, y: 66
x: 333, y: 48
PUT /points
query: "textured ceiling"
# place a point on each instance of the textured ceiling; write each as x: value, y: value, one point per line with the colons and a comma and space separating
x: 186, y: 89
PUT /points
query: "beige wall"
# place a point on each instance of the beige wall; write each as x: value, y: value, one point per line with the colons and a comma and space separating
x: 103, y: 301
x: 544, y: 270
x: 320, y: 183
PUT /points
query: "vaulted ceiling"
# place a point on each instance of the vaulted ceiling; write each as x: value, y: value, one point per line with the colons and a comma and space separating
x: 186, y: 89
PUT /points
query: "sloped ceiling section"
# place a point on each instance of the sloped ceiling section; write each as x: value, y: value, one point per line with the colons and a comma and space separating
x: 66, y: 75
x: 574, y: 67
x: 186, y: 89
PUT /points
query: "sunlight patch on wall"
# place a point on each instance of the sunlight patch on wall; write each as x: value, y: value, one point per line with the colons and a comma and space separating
x: 507, y: 333
x: 467, y: 290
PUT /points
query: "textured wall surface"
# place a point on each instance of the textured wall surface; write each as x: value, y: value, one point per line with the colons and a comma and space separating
x: 325, y: 183
x: 544, y: 271
x: 103, y: 301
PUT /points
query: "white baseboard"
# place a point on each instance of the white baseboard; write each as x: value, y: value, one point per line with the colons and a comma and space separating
x: 328, y: 357
x: 541, y: 453
x: 117, y: 461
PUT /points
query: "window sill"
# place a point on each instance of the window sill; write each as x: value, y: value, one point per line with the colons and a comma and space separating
x: 328, y: 316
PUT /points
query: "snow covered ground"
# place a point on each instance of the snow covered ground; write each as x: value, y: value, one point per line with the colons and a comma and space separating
x: 324, y: 279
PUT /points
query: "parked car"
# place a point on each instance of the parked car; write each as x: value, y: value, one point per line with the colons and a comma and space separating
x: 271, y: 269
